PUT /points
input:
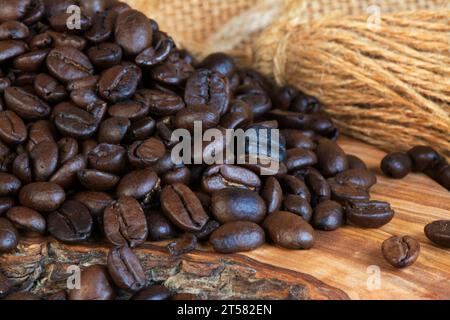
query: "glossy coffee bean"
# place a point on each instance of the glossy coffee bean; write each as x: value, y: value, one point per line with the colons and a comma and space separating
x: 401, y: 252
x: 299, y: 206
x: 355, y: 162
x: 234, y: 204
x: 272, y: 195
x: 95, y: 285
x: 44, y: 160
x: 161, y: 103
x: 396, y: 165
x: 423, y: 158
x: 297, y: 139
x: 219, y: 177
x: 183, y: 207
x: 207, y: 230
x: 146, y: 153
x: 206, y: 115
x: 359, y: 177
x: 105, y: 55
x: 42, y: 196
x: 31, y: 61
x: 13, y: 30
x: 141, y: 129
x: 439, y: 233
x: 67, y: 149
x: 294, y: 185
x: 328, y: 216
x: 318, y: 186
x: 67, y: 175
x: 153, y: 293
x: 9, y: 185
x: 102, y: 26
x: 113, y: 130
x: 288, y: 230
x: 6, y: 204
x: 10, y: 49
x: 108, y: 158
x: 159, y: 227
x: 119, y: 83
x: 67, y: 64
x: 74, y: 122
x: 88, y: 82
x: 219, y: 62
x: 129, y: 109
x: 26, y: 105
x: 369, y: 214
x: 27, y: 219
x: 299, y: 158
x: 124, y: 222
x: 95, y: 201
x: 40, y: 131
x: 12, y: 128
x: 97, y: 180
x: 125, y: 269
x: 5, y: 285
x: 139, y: 184
x: 133, y: 32
x: 344, y: 193
x: 331, y: 158
x: 183, y: 245
x: 238, y: 236
x: 9, y: 236
x: 72, y: 222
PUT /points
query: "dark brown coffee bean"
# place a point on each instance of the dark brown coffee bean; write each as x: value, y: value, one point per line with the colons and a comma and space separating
x: 291, y: 120
x: 297, y: 139
x: 299, y: 206
x: 102, y: 26
x: 355, y: 162
x: 74, y: 122
x: 21, y: 168
x: 439, y: 232
x: 9, y: 185
x: 305, y: 104
x: 237, y: 237
x: 31, y: 61
x: 360, y: 177
x: 207, y: 230
x: 133, y: 32
x: 125, y: 269
x: 177, y: 175
x: 41, y: 41
x: 86, y: 99
x: 183, y: 207
x: 59, y: 22
x: 13, y: 30
x: 423, y: 158
x: 44, y: 160
x: 108, y: 158
x: 293, y: 185
x: 258, y: 101
x: 183, y: 245
x: 401, y: 252
x: 10, y: 49
x: 300, y: 158
x: 130, y: 109
x: 71, y: 223
x: 97, y: 180
x: 95, y: 285
x: 27, y: 219
x: 141, y: 129
x: 47, y: 88
x: 344, y: 193
x: 96, y: 202
x: 234, y: 204
x: 369, y: 214
x: 113, y: 130
x: 68, y: 63
x: 219, y: 62
x: 5, y: 285
x: 207, y: 116
x: 67, y: 149
x: 328, y: 216
x: 288, y: 230
x: 12, y: 128
x: 272, y: 195
x: 64, y: 40
x: 105, y: 55
x: 396, y: 165
x: 146, y: 153
x: 26, y: 105
x: 159, y: 227
x: 89, y: 82
x: 219, y: 177
x: 125, y: 223
x: 139, y: 184
x: 42, y: 196
x: 240, y: 115
x: 40, y: 131
x: 331, y: 158
x: 119, y: 83
x: 174, y: 71
x: 317, y: 184
x: 9, y: 236
x: 155, y: 292
x: 67, y: 175
x: 6, y: 204
x: 161, y: 103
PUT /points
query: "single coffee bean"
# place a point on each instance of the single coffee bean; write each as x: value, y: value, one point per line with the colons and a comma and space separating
x: 297, y: 139
x: 369, y: 214
x: 5, y: 285
x: 331, y: 158
x: 88, y: 82
x: 42, y: 196
x: 86, y: 99
x: 31, y: 61
x: 10, y: 49
x: 183, y: 207
x: 359, y: 177
x: 67, y: 149
x: 27, y: 219
x: 9, y: 185
x: 13, y: 30
x: 22, y: 296
x: 174, y: 71
x: 293, y: 185
x: 6, y: 204
x: 113, y: 130
x: 12, y: 128
x: 289, y: 231
x: 159, y: 227
x: 108, y: 158
x: 423, y: 158
x: 177, y: 175
x: 238, y: 236
x: 97, y: 180
x: 125, y: 223
x: 161, y: 103
x: 25, y: 104
x: 219, y: 177
x: 219, y: 62
x: 119, y: 83
x: 66, y: 40
x: 240, y: 115
x: 40, y: 131
x: 355, y: 162
x: 272, y: 195
x: 234, y: 204
x: 102, y: 26
x: 396, y: 165
x: 139, y: 184
x: 73, y: 121
x: 146, y: 153
x: 328, y: 216
x: 153, y: 293
x: 105, y: 55
x: 125, y: 269
x: 158, y: 53
x: 67, y: 175
x: 299, y: 206
x: 439, y: 232
x: 258, y: 101
x: 59, y: 22
x: 400, y: 252
x: 67, y: 64
x: 291, y: 120
x: 9, y: 236
x: 300, y: 158
x: 305, y: 104
x: 44, y: 160
x: 183, y: 245
x: 141, y: 129
x: 133, y: 32
x: 318, y: 186
x: 187, y: 117
x: 130, y: 109
x: 72, y: 222
x: 95, y: 201
x: 95, y: 285
x: 344, y: 193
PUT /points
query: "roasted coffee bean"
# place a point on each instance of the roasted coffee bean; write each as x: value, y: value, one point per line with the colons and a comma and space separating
x: 9, y: 236
x: 59, y: 22
x: 219, y: 177
x: 41, y: 41
x: 272, y: 195
x: 355, y: 162
x: 67, y: 64
x: 234, y: 204
x: 183, y: 207
x: 22, y: 296
x: 177, y: 175
x: 95, y: 201
x: 141, y: 129
x: 133, y: 32
x: 401, y: 252
x: 369, y: 214
x: 44, y: 160
x: 318, y: 186
x: 159, y: 227
x: 300, y: 158
x: 47, y: 88
x: 204, y: 114
x: 219, y: 62
x: 442, y: 174
x: 161, y: 103
x: 119, y: 82
x: 439, y: 232
x: 423, y: 158
x: 125, y: 223
x: 174, y: 71
x: 258, y: 101
x: 344, y: 193
x: 207, y: 230
x: 10, y: 49
x: 27, y: 219
x: 331, y: 158
x: 5, y: 285
x: 305, y: 104
x: 158, y: 52
x: 97, y: 180
x: 40, y: 131
x: 31, y: 61
x: 13, y: 30
x: 102, y: 26
x: 130, y: 109
x: 12, y: 128
x: 358, y: 177
x: 237, y: 236
x: 67, y: 175
x: 328, y: 216
x: 74, y: 122
x: 146, y: 153
x: 42, y: 196
x: 86, y: 99
x: 153, y: 293
x: 291, y: 120
x: 108, y: 158
x: 299, y: 206
x: 89, y: 82
x: 139, y: 184
x: 105, y: 55
x: 95, y: 285
x: 64, y: 40
x: 6, y: 204
x: 396, y: 165
x: 183, y: 245
x: 125, y: 269
x: 9, y: 185
x: 297, y: 139
x: 87, y: 146
x: 240, y: 115
x: 26, y: 105
x: 113, y: 130
x: 288, y: 230
x: 72, y: 222
x: 293, y: 185
x: 67, y: 149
